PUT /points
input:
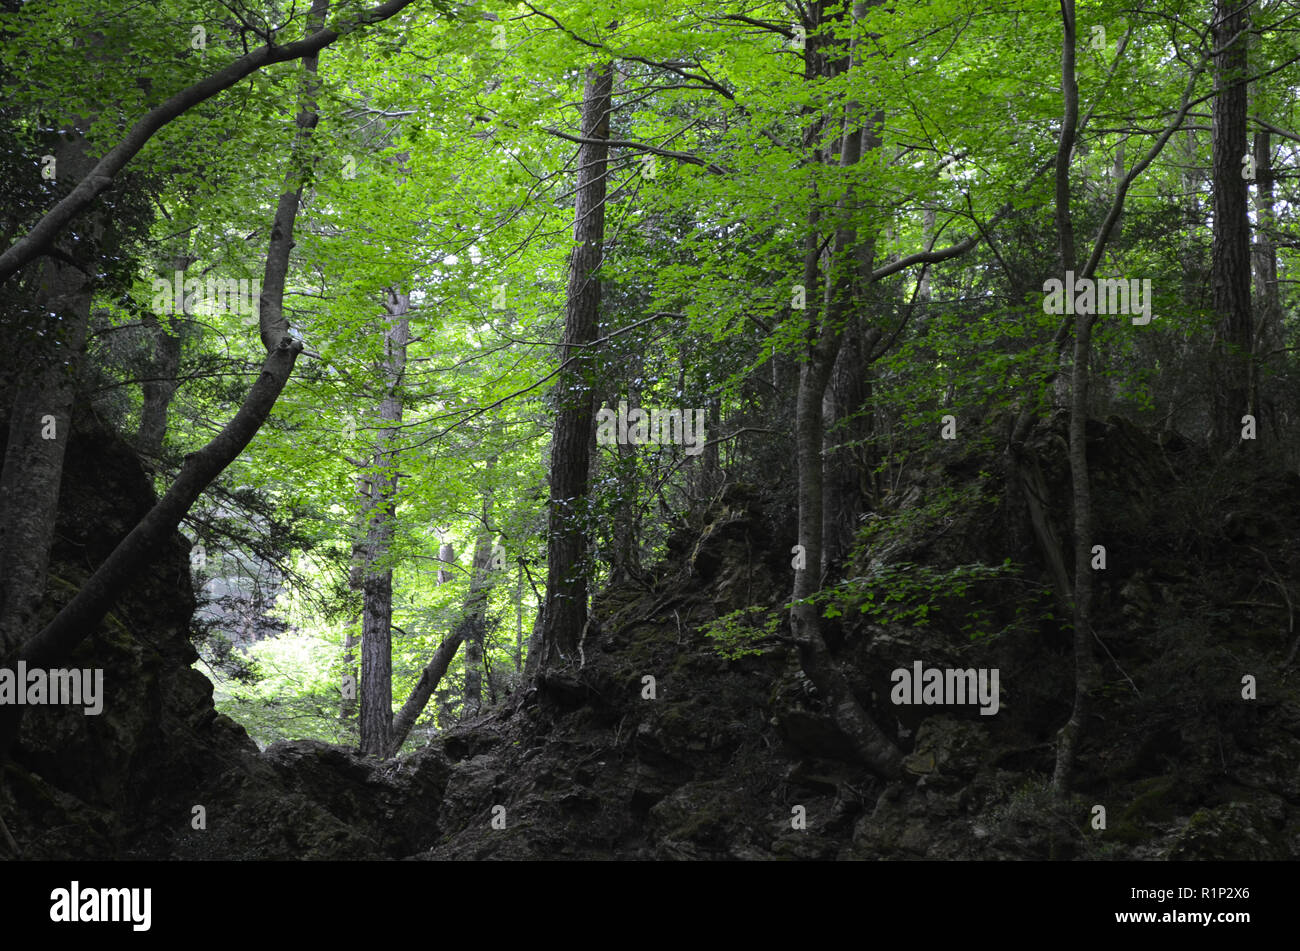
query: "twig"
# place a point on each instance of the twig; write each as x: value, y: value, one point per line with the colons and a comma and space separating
x: 1114, y: 661
x: 1290, y: 609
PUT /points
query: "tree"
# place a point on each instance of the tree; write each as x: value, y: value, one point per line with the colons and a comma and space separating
x: 1231, y: 260
x: 565, y: 615
x: 380, y: 505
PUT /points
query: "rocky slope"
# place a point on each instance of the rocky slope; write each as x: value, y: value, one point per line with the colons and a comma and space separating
x: 727, y: 754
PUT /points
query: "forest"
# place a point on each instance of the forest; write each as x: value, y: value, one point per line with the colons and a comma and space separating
x: 799, y: 429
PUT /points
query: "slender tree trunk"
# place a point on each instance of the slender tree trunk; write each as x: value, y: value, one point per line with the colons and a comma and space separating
x: 825, y: 334
x: 476, y: 610
x: 348, y: 704
x: 519, y: 621
x: 845, y: 425
x: 1231, y: 263
x: 356, y: 582
x: 446, y: 556
x: 565, y: 614
x: 623, y: 541
x: 1268, y: 300
x: 377, y: 591
x: 163, y: 336
x: 430, y: 677
x: 1086, y: 673
x: 158, y: 391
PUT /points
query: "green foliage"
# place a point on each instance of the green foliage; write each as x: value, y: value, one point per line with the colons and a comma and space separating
x: 914, y: 594
x: 742, y: 633
x: 291, y: 695
x: 440, y: 167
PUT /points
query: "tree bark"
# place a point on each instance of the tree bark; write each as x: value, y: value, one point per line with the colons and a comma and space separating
x: 377, y: 590
x: 565, y: 613
x: 824, y: 337
x: 477, y: 610
x: 846, y: 427
x: 1268, y: 302
x: 158, y: 391
x: 1086, y: 673
x: 1230, y: 264
x: 40, y: 419
x: 430, y: 677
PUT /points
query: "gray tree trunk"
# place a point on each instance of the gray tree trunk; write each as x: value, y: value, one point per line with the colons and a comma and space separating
x: 157, y: 391
x: 1268, y: 302
x: 476, y: 610
x: 825, y: 334
x: 377, y: 574
x: 40, y: 419
x: 1086, y: 673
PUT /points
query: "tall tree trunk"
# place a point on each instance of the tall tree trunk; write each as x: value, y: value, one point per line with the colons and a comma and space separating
x: 157, y: 392
x: 1268, y: 300
x: 477, y: 608
x: 163, y: 336
x: 1086, y: 673
x: 824, y: 337
x: 846, y: 427
x: 519, y: 621
x: 1230, y: 265
x: 565, y: 614
x: 377, y: 590
x: 356, y: 582
x: 40, y: 419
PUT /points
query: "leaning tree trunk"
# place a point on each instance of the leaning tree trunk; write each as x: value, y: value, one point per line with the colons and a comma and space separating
x: 565, y: 613
x: 80, y: 616
x: 472, y: 624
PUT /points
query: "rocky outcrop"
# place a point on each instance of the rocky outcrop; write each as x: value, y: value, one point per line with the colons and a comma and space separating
x: 653, y: 746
